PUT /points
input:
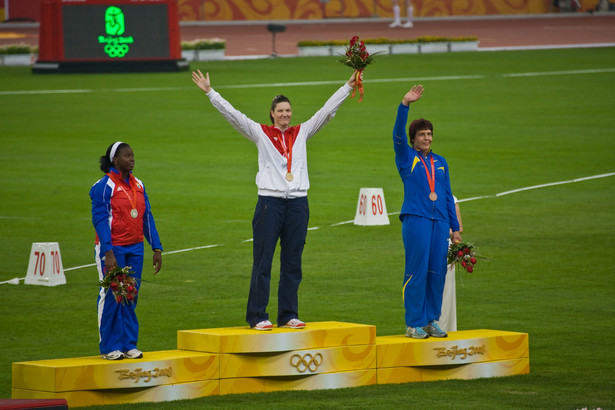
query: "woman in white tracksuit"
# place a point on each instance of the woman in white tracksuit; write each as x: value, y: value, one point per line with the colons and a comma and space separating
x: 282, y: 210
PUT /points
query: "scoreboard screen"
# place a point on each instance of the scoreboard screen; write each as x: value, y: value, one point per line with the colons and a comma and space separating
x: 107, y: 35
x: 121, y: 31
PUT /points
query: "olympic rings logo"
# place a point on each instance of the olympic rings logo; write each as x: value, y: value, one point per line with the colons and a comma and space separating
x: 116, y: 50
x: 306, y: 362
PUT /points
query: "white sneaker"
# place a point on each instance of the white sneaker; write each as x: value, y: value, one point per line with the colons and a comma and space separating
x: 114, y: 355
x: 408, y: 25
x: 294, y: 324
x: 395, y: 24
x: 134, y: 354
x: 264, y: 325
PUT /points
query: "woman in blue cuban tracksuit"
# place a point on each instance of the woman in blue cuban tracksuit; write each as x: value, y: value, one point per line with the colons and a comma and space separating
x: 122, y: 217
x: 427, y: 214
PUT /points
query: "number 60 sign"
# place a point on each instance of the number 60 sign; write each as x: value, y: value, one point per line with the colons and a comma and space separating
x: 371, y: 208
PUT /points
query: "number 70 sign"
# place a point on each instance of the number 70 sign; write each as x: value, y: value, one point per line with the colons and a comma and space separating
x: 45, y: 267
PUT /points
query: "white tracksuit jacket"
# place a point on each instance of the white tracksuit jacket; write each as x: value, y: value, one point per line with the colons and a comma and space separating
x: 272, y: 164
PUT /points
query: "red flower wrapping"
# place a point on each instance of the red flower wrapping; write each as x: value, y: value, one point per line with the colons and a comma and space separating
x: 463, y: 254
x: 122, y: 284
x: 357, y: 57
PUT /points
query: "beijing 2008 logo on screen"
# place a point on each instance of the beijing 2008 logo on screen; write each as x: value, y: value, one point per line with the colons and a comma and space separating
x: 116, y: 46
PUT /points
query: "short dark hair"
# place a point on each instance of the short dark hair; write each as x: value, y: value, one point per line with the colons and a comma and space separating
x: 105, y: 162
x: 418, y: 125
x: 277, y: 99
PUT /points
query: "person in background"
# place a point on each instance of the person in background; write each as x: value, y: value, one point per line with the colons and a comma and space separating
x: 122, y: 217
x: 427, y: 216
x: 282, y: 211
x: 448, y: 317
x: 397, y: 15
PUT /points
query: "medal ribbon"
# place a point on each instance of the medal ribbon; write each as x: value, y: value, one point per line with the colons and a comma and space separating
x: 430, y: 179
x: 288, y: 152
x: 133, y: 186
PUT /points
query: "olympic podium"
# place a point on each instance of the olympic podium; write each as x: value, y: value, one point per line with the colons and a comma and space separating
x: 324, y: 355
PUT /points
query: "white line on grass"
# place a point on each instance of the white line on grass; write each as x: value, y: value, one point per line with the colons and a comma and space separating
x: 440, y: 78
x: 569, y: 181
x: 193, y: 249
x: 311, y: 83
x: 25, y: 92
x: 167, y: 253
x: 566, y: 72
x: 556, y: 183
x: 378, y: 80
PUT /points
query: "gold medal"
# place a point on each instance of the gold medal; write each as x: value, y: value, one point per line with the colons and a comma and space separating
x: 433, y: 196
x: 289, y: 176
x: 134, y: 213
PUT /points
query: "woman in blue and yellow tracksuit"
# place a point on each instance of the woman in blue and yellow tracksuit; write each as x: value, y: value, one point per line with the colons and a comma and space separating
x: 427, y: 214
x: 122, y: 216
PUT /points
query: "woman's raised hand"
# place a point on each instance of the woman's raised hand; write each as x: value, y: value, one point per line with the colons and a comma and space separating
x: 202, y: 81
x: 413, y: 95
x: 353, y: 79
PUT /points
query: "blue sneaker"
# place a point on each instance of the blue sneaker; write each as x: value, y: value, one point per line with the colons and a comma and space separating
x: 434, y: 330
x: 416, y: 333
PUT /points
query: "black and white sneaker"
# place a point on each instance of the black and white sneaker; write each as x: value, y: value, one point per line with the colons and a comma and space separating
x: 134, y: 354
x: 114, y: 355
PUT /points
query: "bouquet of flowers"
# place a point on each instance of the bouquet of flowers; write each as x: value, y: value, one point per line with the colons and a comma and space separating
x: 463, y: 254
x: 122, y: 284
x: 357, y: 57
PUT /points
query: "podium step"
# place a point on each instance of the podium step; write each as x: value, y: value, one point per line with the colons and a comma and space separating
x: 467, y: 346
x: 468, y: 371
x: 245, y: 340
x: 312, y: 382
x: 298, y: 362
x: 467, y: 354
x: 163, y: 375
x: 80, y: 398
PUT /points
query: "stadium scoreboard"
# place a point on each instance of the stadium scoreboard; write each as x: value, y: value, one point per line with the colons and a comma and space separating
x: 103, y: 35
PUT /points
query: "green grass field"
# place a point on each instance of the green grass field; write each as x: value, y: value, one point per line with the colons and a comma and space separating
x: 503, y: 120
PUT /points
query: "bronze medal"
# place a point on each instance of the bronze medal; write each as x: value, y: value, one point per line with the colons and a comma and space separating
x: 431, y: 179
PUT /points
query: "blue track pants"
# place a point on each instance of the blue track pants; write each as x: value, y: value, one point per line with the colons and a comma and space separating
x: 287, y: 220
x: 426, y: 246
x: 118, y: 327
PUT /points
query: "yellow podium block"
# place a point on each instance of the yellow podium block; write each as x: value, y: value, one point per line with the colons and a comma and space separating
x: 461, y: 371
x: 245, y: 340
x: 170, y: 392
x: 467, y: 346
x: 159, y: 376
x: 298, y: 362
x: 311, y: 382
x: 468, y: 354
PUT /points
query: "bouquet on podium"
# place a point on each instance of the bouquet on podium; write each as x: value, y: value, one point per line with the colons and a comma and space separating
x: 121, y: 283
